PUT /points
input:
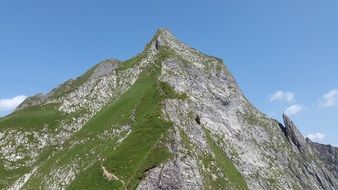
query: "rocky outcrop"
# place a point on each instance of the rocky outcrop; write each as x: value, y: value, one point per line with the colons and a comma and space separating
x: 105, y: 68
x: 35, y: 100
x: 328, y: 154
x: 295, y: 137
x: 319, y: 161
x: 267, y: 154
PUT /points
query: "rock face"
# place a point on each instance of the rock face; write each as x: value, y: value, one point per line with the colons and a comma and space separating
x: 169, y: 118
x: 328, y: 154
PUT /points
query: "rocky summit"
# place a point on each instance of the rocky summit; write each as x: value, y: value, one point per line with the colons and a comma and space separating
x: 169, y: 118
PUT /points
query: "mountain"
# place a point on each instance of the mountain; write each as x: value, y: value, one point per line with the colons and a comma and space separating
x: 169, y: 118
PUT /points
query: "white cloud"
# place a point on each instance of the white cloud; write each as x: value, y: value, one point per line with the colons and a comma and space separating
x: 294, y: 109
x: 329, y: 99
x: 316, y: 136
x: 283, y: 96
x: 11, y: 103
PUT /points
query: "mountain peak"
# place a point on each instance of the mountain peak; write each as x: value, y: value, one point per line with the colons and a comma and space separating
x: 163, y: 32
x: 164, y: 37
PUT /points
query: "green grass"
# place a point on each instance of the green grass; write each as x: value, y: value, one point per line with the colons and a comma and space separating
x: 232, y: 179
x: 32, y: 118
x: 143, y: 149
x: 115, y: 113
x: 131, y: 62
x: 168, y: 91
x: 8, y: 177
x: 186, y: 140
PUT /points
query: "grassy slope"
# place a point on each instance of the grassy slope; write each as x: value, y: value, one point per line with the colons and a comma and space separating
x: 32, y: 118
x: 139, y: 152
x: 147, y: 130
x: 142, y: 149
x: 35, y: 118
x: 8, y: 177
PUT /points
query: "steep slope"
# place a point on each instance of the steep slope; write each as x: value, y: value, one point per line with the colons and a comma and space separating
x: 169, y: 118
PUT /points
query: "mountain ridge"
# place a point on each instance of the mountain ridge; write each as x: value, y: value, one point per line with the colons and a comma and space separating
x: 169, y: 118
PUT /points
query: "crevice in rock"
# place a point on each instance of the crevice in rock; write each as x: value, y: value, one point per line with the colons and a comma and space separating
x: 198, y: 120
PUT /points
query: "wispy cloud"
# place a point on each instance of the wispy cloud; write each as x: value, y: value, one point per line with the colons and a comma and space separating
x: 294, y: 109
x: 11, y: 103
x: 317, y: 137
x: 329, y: 99
x: 288, y: 98
x: 283, y: 96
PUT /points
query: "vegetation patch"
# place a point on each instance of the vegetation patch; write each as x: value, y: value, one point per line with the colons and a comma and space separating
x: 131, y: 62
x: 251, y: 118
x: 220, y: 172
x: 32, y: 118
x: 143, y: 149
x: 186, y: 141
x: 8, y: 177
x: 169, y: 92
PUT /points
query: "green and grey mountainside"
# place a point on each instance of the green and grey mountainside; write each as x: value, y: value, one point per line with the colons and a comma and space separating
x: 168, y: 118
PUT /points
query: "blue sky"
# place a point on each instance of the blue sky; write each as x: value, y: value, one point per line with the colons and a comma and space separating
x: 284, y: 54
